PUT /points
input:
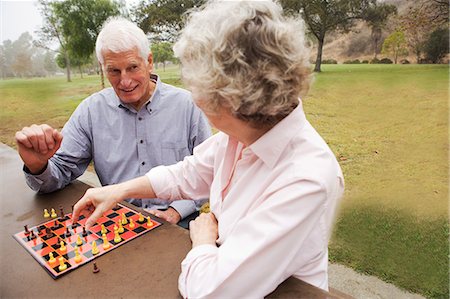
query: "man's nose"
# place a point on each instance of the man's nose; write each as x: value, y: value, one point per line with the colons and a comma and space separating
x: 125, y: 79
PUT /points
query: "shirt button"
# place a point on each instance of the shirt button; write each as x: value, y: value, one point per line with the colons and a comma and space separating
x: 143, y: 163
x: 140, y: 118
x: 141, y: 141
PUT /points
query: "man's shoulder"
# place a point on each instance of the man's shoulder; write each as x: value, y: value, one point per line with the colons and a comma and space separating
x: 175, y: 93
x: 104, y: 97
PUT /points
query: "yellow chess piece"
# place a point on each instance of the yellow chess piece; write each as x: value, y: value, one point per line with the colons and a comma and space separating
x: 132, y: 225
x: 51, y: 259
x: 94, y: 248
x: 78, y: 257
x: 79, y: 241
x: 121, y: 229
x: 53, y: 213
x: 117, y: 237
x: 62, y: 248
x: 46, y: 214
x: 105, y: 242
x: 62, y: 265
x: 124, y: 219
x: 141, y: 218
x: 149, y: 222
x: 103, y: 230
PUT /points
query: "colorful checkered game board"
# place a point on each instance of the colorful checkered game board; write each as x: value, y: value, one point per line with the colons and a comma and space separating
x: 43, y: 244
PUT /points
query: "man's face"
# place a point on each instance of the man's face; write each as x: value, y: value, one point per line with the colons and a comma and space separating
x: 129, y: 76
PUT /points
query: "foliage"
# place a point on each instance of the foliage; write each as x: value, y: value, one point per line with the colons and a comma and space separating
x: 329, y: 61
x: 162, y: 52
x: 163, y: 19
x: 21, y: 58
x: 376, y: 18
x: 323, y: 17
x: 385, y: 61
x: 355, y: 61
x: 395, y: 45
x: 437, y: 45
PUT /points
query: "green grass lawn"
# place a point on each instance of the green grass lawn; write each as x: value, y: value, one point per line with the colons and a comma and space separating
x: 387, y: 125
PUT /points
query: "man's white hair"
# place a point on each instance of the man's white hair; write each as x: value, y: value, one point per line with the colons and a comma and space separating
x: 120, y: 35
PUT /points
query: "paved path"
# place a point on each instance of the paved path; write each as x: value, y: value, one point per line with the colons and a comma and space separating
x: 341, y: 278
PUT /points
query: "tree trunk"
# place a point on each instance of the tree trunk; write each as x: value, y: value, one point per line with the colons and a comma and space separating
x: 66, y: 57
x: 319, y: 54
x: 81, y: 71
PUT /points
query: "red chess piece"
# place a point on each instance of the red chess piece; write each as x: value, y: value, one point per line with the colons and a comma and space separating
x: 96, y: 269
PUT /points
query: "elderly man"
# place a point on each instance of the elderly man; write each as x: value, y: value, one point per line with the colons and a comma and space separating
x: 125, y: 130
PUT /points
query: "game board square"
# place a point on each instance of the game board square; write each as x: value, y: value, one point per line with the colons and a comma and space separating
x: 88, y: 254
x: 139, y: 229
x: 129, y: 214
x: 47, y: 256
x: 39, y: 246
x: 127, y: 235
x: 108, y: 223
x: 112, y: 215
x: 116, y: 208
x: 57, y: 267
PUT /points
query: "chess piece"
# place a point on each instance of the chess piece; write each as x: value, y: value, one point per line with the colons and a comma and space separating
x: 117, y: 237
x: 55, y: 225
x: 27, y: 232
x: 61, y: 212
x: 105, y: 242
x: 48, y: 233
x: 79, y: 241
x: 51, y: 259
x: 96, y: 269
x: 84, y: 234
x: 132, y: 225
x: 149, y: 222
x: 68, y: 234
x: 124, y: 219
x: 62, y: 265
x: 53, y: 213
x: 141, y: 218
x: 46, y: 213
x: 78, y: 257
x: 32, y: 235
x: 121, y: 229
x: 62, y: 247
x: 94, y: 248
x: 103, y: 230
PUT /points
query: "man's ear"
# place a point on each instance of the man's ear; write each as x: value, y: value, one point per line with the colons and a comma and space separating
x: 150, y: 61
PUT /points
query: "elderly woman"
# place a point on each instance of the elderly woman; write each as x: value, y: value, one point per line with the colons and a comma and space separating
x: 273, y: 183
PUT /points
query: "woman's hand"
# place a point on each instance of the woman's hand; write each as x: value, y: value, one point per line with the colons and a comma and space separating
x: 95, y: 202
x: 204, y: 230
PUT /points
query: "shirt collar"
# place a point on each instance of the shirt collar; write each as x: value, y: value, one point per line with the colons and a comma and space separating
x: 271, y: 145
x: 155, y: 95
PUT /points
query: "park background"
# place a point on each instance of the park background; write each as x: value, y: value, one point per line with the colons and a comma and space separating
x: 380, y: 100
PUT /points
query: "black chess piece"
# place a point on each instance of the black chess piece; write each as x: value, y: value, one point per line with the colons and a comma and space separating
x: 27, y: 232
x: 84, y: 234
x: 68, y: 234
x: 96, y: 269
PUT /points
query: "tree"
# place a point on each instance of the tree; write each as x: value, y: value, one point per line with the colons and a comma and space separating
x: 422, y: 18
x: 51, y: 30
x: 88, y: 15
x: 162, y: 52
x: 163, y: 19
x: 22, y: 49
x: 436, y: 47
x: 395, y: 45
x: 325, y: 16
x: 376, y: 18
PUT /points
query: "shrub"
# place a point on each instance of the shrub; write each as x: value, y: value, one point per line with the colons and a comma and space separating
x: 386, y: 61
x: 404, y: 61
x: 365, y: 61
x: 356, y: 61
x: 375, y: 61
x: 329, y: 61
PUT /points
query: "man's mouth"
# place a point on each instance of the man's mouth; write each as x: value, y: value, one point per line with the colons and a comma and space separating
x: 129, y: 89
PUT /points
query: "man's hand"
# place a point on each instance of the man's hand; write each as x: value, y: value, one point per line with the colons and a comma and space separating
x: 204, y: 229
x: 37, y: 144
x: 170, y: 215
x: 95, y: 202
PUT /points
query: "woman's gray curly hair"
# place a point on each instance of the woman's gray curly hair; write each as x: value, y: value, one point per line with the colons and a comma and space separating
x: 247, y: 57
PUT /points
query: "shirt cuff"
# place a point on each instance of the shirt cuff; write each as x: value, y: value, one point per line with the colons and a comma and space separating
x: 36, y: 181
x: 184, y: 207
